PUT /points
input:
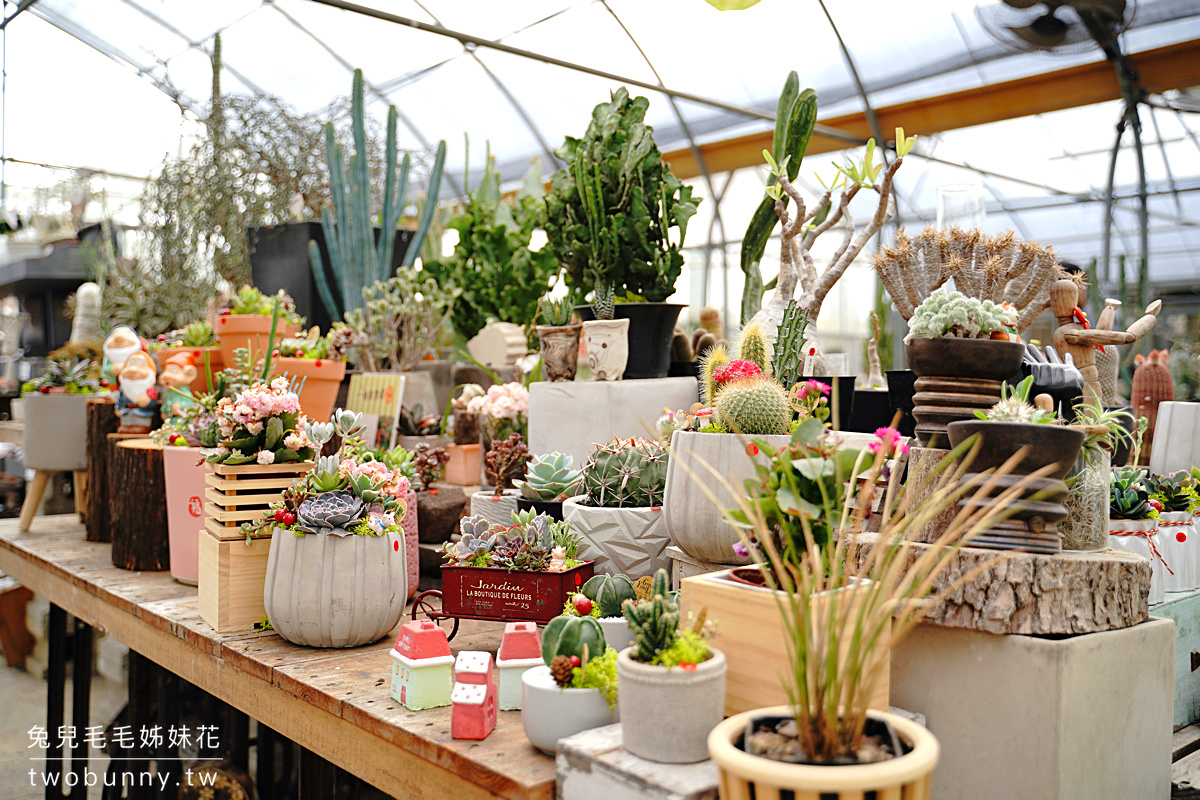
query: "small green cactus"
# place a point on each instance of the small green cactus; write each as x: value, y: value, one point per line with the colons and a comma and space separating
x: 681, y: 348
x: 788, y: 363
x: 626, y: 473
x: 573, y: 636
x: 609, y: 592
x: 953, y: 314
x: 654, y: 622
x: 753, y: 346
x: 754, y: 406
x: 715, y: 357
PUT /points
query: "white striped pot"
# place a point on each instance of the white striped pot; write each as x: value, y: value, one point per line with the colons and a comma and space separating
x: 1141, y: 536
x: 1180, y: 549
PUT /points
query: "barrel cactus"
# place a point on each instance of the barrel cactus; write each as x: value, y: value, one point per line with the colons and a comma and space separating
x: 568, y: 636
x: 626, y: 473
x: 609, y: 592
x: 330, y: 512
x: 754, y: 406
x: 549, y: 477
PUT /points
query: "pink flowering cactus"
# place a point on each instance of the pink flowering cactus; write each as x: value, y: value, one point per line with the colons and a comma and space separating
x: 736, y: 369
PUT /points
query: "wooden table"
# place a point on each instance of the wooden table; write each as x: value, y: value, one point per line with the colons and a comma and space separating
x: 335, y: 703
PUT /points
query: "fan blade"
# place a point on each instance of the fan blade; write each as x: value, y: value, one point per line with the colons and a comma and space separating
x: 1021, y: 4
x: 1045, y: 31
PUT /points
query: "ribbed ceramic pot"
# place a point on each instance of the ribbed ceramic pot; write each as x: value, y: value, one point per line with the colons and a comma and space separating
x: 328, y: 590
x: 497, y: 510
x: 1141, y: 536
x: 607, y: 347
x: 1180, y: 549
x: 560, y: 351
x: 630, y: 541
x: 655, y: 700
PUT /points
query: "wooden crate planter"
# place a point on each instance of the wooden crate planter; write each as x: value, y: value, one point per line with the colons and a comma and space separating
x: 490, y: 593
x: 232, y: 576
x: 751, y: 634
x: 241, y: 494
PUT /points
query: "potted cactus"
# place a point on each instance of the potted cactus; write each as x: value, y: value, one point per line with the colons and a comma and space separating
x: 577, y: 688
x: 249, y: 321
x: 336, y: 571
x: 549, y: 479
x: 520, y: 570
x: 606, y: 339
x: 670, y: 680
x: 602, y: 598
x: 559, y: 339
x: 1133, y: 525
x: 504, y: 463
x: 619, y: 511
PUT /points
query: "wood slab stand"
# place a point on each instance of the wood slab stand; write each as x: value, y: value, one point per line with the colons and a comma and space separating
x: 137, y: 506
x: 1033, y: 593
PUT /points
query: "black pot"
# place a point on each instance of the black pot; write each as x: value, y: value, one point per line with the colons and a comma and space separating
x: 684, y: 369
x: 901, y: 387
x: 651, y: 326
x: 551, y: 508
x: 841, y: 387
x: 873, y: 727
x: 1065, y: 397
x: 1047, y: 444
x: 871, y: 410
x: 1129, y: 423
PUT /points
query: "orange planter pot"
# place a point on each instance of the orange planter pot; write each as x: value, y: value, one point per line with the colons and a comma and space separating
x: 216, y: 363
x: 463, y: 467
x: 321, y: 380
x: 250, y: 331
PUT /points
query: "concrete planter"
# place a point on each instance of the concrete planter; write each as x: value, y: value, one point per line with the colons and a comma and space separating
x: 1180, y: 548
x: 56, y: 431
x: 1176, y: 443
x: 631, y: 541
x: 550, y: 713
x: 329, y: 590
x: 497, y: 510
x: 692, y: 519
x: 1141, y: 536
x: 607, y: 347
x: 183, y: 478
x: 616, y: 632
x: 742, y: 774
x: 655, y: 700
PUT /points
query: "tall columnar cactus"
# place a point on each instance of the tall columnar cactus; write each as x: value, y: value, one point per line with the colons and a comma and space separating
x: 654, y: 623
x: 626, y: 473
x: 1152, y: 384
x: 753, y: 346
x: 754, y: 406
x: 356, y: 260
x: 710, y: 361
x: 788, y: 363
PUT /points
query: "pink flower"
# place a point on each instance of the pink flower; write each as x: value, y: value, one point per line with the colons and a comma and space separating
x: 739, y: 368
x: 741, y: 550
x: 266, y: 457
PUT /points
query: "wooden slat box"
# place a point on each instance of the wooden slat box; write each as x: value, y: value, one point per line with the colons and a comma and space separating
x: 232, y: 575
x: 241, y: 494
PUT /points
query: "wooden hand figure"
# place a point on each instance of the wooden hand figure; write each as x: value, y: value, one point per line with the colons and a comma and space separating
x: 1073, y: 334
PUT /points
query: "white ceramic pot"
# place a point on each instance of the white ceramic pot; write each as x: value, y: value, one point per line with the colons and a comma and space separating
x: 694, y: 521
x: 666, y: 714
x: 325, y: 590
x: 1137, y: 536
x: 1180, y: 548
x: 496, y: 510
x: 56, y: 431
x: 740, y: 772
x: 550, y: 713
x: 631, y: 541
x: 616, y: 632
x: 607, y: 347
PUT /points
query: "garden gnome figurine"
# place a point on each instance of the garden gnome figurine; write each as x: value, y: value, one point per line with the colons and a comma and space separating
x: 473, y: 700
x: 121, y: 343
x: 1075, y: 336
x: 177, y: 375
x: 137, y: 398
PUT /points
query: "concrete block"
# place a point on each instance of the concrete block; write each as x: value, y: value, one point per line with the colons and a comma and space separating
x: 1071, y: 718
x: 593, y: 765
x: 571, y: 416
x: 1176, y: 438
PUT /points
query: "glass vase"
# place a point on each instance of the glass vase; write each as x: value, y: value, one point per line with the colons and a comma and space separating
x: 1086, y: 525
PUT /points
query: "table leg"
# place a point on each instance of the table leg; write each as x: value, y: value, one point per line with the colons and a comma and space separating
x: 80, y: 488
x: 56, y: 689
x: 81, y: 693
x: 33, y: 499
x: 316, y: 776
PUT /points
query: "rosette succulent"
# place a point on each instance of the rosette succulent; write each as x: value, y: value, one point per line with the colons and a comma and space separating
x: 528, y: 549
x: 549, y: 477
x: 330, y: 513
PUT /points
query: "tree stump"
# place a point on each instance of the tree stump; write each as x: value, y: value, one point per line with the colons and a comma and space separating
x: 920, y: 482
x: 101, y: 421
x: 137, y: 506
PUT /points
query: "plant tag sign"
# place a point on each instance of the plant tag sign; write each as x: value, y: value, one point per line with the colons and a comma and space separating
x: 644, y: 587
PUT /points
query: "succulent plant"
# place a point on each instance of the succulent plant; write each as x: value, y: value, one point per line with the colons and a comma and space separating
x: 568, y: 636
x: 626, y: 472
x: 505, y: 462
x: 1127, y: 497
x: 1014, y: 406
x: 953, y: 314
x: 427, y: 463
x: 788, y: 359
x: 710, y: 361
x: 754, y: 406
x: 549, y: 477
x: 558, y: 311
x: 526, y: 548
x: 330, y: 512
x: 1176, y: 492
x: 470, y: 546
x: 325, y: 475
x: 753, y: 346
x: 602, y: 301
x: 65, y: 377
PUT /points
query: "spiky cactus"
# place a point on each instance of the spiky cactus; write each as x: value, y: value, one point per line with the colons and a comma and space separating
x: 753, y: 346
x: 609, y: 592
x: 626, y: 473
x: 1152, y: 385
x: 755, y: 406
x: 681, y: 347
x: 356, y: 260
x: 953, y: 314
x: 712, y: 360
x: 710, y: 320
x: 654, y: 623
x: 788, y: 364
x: 573, y: 636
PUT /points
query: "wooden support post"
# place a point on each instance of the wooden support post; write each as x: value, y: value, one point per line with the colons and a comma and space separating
x: 138, y: 506
x: 101, y: 421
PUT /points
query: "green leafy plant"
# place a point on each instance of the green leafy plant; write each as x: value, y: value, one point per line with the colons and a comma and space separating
x: 1128, y: 497
x: 953, y: 314
x: 399, y: 322
x: 73, y: 376
x: 612, y: 206
x: 500, y: 277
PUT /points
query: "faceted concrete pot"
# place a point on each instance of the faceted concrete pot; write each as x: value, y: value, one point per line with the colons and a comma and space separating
x: 607, y: 348
x: 1141, y: 536
x: 692, y: 519
x: 560, y: 351
x: 56, y: 431
x: 631, y: 541
x: 655, y: 699
x: 741, y: 773
x: 184, y: 481
x: 550, y: 713
x: 496, y: 510
x: 327, y: 590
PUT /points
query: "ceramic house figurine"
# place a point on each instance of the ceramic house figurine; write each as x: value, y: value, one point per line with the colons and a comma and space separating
x: 520, y: 649
x: 421, y: 662
x: 473, y: 715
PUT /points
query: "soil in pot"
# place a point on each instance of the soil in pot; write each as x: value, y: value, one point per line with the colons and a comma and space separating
x: 651, y: 326
x: 774, y: 737
x: 551, y: 508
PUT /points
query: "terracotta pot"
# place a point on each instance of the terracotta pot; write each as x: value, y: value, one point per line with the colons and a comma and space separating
x: 184, y: 481
x: 549, y: 713
x: 463, y: 467
x: 56, y: 431
x: 629, y: 541
x: 216, y: 363
x: 1142, y: 536
x: 324, y: 590
x: 251, y: 331
x: 560, y: 351
x: 692, y: 519
x: 654, y: 699
x: 955, y: 377
x: 744, y: 775
x: 319, y: 380
x: 607, y: 348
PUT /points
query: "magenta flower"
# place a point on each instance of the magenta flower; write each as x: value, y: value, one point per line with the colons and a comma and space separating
x: 741, y: 550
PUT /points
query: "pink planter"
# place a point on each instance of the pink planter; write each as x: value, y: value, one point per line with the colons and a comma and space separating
x: 185, y: 510
x: 412, y: 555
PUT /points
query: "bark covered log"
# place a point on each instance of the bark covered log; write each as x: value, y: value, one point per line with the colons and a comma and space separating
x: 137, y: 506
x: 101, y: 421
